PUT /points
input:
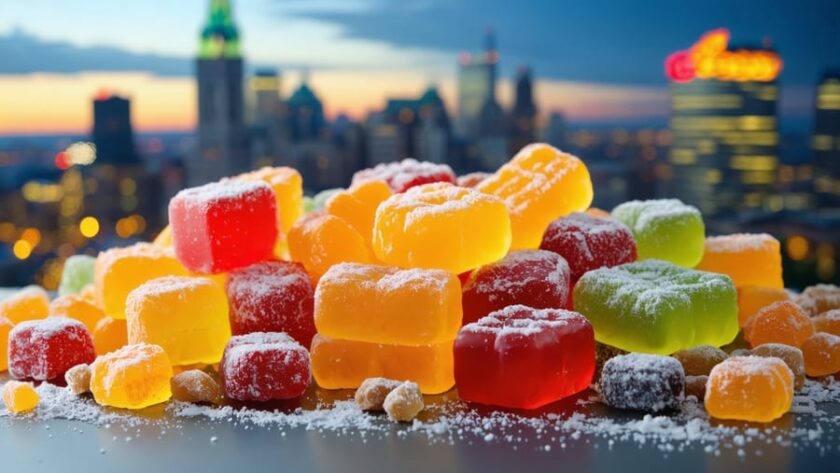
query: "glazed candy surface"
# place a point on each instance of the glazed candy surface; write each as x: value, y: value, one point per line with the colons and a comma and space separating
x: 441, y: 226
x: 522, y: 357
x: 780, y: 322
x: 405, y: 174
x: 792, y: 357
x: 538, y: 185
x: 822, y: 354
x: 641, y: 382
x: 109, y: 335
x: 828, y: 321
x: 381, y: 304
x: 263, y: 366
x: 76, y: 274
x: 656, y: 307
x: 287, y: 185
x: 29, y: 303
x: 44, y: 350
x: 357, y: 205
x: 665, y: 229
x: 19, y: 397
x: 320, y: 240
x: 133, y: 377
x: 752, y: 299
x: 76, y: 307
x: 753, y: 259
x: 749, y: 388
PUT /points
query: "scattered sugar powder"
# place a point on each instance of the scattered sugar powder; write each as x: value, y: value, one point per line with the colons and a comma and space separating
x: 738, y: 242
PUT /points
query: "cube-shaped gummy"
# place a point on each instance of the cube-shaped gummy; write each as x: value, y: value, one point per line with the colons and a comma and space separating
x: 186, y: 316
x: 45, y: 349
x: 223, y: 226
x: 750, y: 388
x: 29, y: 303
x: 320, y: 240
x: 642, y: 382
x: 133, y: 377
x: 750, y: 259
x: 665, y: 229
x: 405, y: 174
x: 262, y: 366
x: 656, y: 307
x: 287, y: 185
x: 522, y: 357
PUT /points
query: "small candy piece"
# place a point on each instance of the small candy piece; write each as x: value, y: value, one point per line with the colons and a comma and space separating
x: 74, y: 306
x: 133, y: 377
x: 602, y: 354
x: 522, y: 357
x: 272, y: 296
x: 5, y: 328
x: 372, y: 393
x: 196, y: 386
x: 110, y: 334
x: 588, y: 242
x: 822, y: 354
x: 827, y: 322
x: 29, y: 303
x: 263, y: 366
x: 750, y: 388
x: 344, y: 364
x: 381, y: 304
x: 441, y: 226
x: 649, y: 383
x: 750, y: 259
x: 472, y: 179
x: 321, y: 240
x: 700, y: 360
x: 44, y: 350
x: 187, y: 317
x: 357, y: 205
x: 77, y: 273
x: 753, y: 299
x: 540, y: 184
x: 287, y: 185
x: 665, y: 229
x: 655, y: 307
x: 696, y: 386
x: 818, y: 299
x: 223, y: 226
x: 792, y: 357
x: 536, y: 278
x: 780, y: 322
x: 78, y: 379
x: 404, y: 402
x: 19, y: 397
x: 405, y: 174
x: 120, y: 270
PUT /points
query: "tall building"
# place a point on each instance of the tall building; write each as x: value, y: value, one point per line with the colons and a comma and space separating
x: 477, y: 103
x: 724, y: 155
x: 269, y: 131
x: 112, y: 131
x: 222, y: 135
x: 523, y: 116
x: 306, y: 113
x: 825, y: 142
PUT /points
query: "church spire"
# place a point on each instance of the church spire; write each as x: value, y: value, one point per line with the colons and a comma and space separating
x: 219, y: 37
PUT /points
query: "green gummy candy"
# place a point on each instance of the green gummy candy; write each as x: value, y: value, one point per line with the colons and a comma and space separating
x: 665, y: 229
x: 656, y: 307
x: 77, y: 273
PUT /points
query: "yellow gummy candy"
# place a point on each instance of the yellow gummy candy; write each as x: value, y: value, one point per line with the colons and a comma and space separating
x: 19, y: 397
x: 357, y: 205
x: 30, y: 303
x: 133, y: 377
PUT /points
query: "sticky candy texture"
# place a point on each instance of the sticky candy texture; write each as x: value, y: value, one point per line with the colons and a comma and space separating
x: 120, y: 270
x: 372, y: 392
x: 321, y: 240
x: 441, y: 226
x: 753, y: 299
x: 223, y: 226
x: 78, y: 379
x: 405, y: 174
x: 749, y: 388
x: 357, y: 205
x: 19, y: 397
x: 76, y: 274
x: 264, y: 366
x: 828, y: 322
x: 381, y: 304
x: 196, y: 386
x: 29, y: 303
x: 588, y: 242
x: 792, y: 357
x: 44, y: 350
x: 343, y: 364
x: 700, y: 360
x: 522, y: 357
x: 404, y: 402
x: 780, y: 322
x: 822, y: 354
x: 287, y: 185
x: 665, y: 229
x: 536, y: 278
x: 133, y: 377
x: 187, y: 317
x: 538, y: 185
x: 640, y: 382
x: 109, y: 335
x: 750, y: 259
x: 5, y: 328
x: 76, y: 307
x: 818, y: 299
x: 656, y: 307
x: 272, y: 296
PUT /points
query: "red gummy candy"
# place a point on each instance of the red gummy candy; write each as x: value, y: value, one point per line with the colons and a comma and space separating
x: 589, y: 242
x: 272, y: 296
x: 405, y: 174
x: 536, y: 278
x: 262, y: 366
x: 223, y: 226
x: 45, y: 349
x: 521, y: 357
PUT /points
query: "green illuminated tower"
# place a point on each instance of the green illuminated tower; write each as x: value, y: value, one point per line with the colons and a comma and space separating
x: 220, y: 37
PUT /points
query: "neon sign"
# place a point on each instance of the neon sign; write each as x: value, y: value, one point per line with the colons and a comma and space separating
x: 709, y: 58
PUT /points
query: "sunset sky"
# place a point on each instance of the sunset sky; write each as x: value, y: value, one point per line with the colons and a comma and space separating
x: 597, y: 61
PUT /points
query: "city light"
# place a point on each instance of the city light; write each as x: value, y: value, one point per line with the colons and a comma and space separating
x: 81, y: 153
x: 710, y: 59
x: 89, y: 227
x: 22, y: 249
x: 797, y: 247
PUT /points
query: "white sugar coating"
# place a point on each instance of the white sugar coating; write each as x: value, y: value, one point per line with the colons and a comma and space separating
x: 249, y: 287
x: 820, y: 298
x: 745, y: 367
x: 637, y: 381
x: 531, y: 266
x: 640, y: 214
x: 261, y: 341
x: 400, y: 173
x: 225, y: 190
x: 404, y: 402
x: 26, y: 293
x: 283, y: 349
x: 76, y: 274
x: 428, y: 200
x: 164, y: 285
x: 106, y: 258
x: 118, y: 361
x: 385, y: 278
x: 522, y: 320
x: 40, y: 331
x: 371, y: 394
x: 739, y: 242
x: 644, y: 364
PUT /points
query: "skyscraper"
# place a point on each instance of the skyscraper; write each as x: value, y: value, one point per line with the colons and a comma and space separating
x: 269, y: 133
x: 724, y: 155
x: 306, y: 113
x: 477, y: 88
x: 112, y: 132
x: 523, y: 117
x: 826, y: 139
x: 222, y: 136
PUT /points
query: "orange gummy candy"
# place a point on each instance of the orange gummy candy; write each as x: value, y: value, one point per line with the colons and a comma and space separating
x: 74, y: 306
x: 29, y: 303
x: 110, y: 334
x: 5, y: 328
x: 780, y: 322
x: 441, y: 226
x: 828, y: 322
x: 752, y: 299
x: 381, y: 304
x: 750, y: 259
x: 287, y: 185
x: 133, y: 377
x: 320, y: 240
x: 540, y: 184
x: 343, y: 364
x: 822, y: 354
x: 357, y: 205
x: 750, y: 388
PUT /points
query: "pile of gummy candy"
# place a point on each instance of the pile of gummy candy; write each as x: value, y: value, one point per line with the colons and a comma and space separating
x: 413, y: 281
